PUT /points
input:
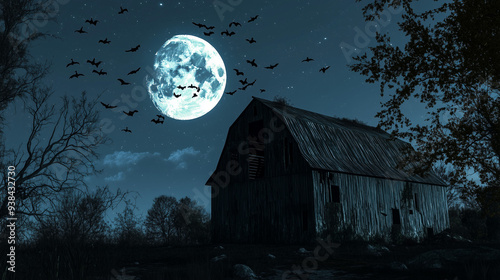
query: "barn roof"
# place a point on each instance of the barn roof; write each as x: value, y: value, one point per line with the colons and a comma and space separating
x: 346, y: 146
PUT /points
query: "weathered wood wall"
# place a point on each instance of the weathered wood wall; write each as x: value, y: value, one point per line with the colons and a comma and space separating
x: 363, y: 200
x: 268, y: 209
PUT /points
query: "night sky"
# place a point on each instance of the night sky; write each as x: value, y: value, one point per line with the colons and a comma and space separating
x: 177, y: 158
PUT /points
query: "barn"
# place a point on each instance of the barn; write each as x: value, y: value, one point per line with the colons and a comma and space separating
x: 288, y: 175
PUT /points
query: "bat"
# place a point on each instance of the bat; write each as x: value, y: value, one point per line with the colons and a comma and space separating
x: 72, y: 63
x: 76, y: 75
x: 252, y: 62
x: 130, y: 113
x: 107, y: 106
x: 134, y: 49
x: 123, y: 83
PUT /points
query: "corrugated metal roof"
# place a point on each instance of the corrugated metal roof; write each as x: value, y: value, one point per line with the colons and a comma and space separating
x: 346, y: 146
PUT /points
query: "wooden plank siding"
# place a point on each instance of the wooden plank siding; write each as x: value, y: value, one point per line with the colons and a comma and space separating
x: 267, y: 210
x: 363, y: 200
x: 272, y: 181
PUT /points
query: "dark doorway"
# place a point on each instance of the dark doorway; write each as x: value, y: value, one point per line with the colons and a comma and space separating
x: 334, y: 194
x: 396, y: 218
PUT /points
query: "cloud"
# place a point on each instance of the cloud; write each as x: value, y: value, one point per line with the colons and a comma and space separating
x: 179, y: 156
x: 118, y: 177
x: 123, y: 158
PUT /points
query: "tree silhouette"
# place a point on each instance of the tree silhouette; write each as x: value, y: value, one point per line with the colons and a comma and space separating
x: 452, y: 66
x: 69, y: 236
x: 128, y: 231
x: 19, y: 73
x: 160, y: 220
x: 191, y: 222
x: 58, y: 154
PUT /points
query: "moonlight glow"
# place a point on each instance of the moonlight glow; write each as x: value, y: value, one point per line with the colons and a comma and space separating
x: 186, y: 60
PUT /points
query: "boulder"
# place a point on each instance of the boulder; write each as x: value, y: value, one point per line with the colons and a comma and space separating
x: 243, y: 272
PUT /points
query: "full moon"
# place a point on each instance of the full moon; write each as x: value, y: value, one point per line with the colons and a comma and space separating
x: 189, y: 79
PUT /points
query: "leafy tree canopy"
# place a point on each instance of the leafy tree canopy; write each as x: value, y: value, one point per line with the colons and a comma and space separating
x: 451, y: 64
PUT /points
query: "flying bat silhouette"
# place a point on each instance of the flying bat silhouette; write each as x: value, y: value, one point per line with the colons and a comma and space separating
x: 134, y: 49
x: 244, y: 88
x: 177, y: 95
x: 252, y: 62
x: 76, y: 75
x: 234, y: 23
x: 105, y: 41
x: 134, y: 71
x: 194, y: 95
x: 72, y: 63
x: 130, y: 113
x: 272, y: 66
x: 200, y: 25
x: 123, y: 83
x: 208, y: 33
x: 262, y: 90
x: 238, y: 72
x: 324, y: 69
x: 92, y: 62
x: 231, y: 92
x: 209, y: 27
x: 194, y: 87
x: 122, y: 10
x: 181, y: 87
x: 127, y: 130
x: 100, y: 72
x: 227, y: 33
x: 92, y: 21
x: 251, y: 41
x: 157, y: 121
x: 244, y: 82
x: 107, y: 106
x: 81, y: 31
x: 253, y: 18
x: 308, y: 59
x: 247, y: 85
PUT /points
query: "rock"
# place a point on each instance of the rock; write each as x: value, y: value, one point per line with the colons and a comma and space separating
x: 243, y: 272
x: 219, y: 258
x: 303, y: 251
x: 398, y: 266
x: 377, y: 250
x: 271, y: 256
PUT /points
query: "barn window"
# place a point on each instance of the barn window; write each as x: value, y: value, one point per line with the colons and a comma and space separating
x: 334, y: 195
x: 416, y: 202
x: 396, y: 218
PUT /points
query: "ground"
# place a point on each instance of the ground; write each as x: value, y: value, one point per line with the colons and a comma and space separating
x: 351, y: 260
